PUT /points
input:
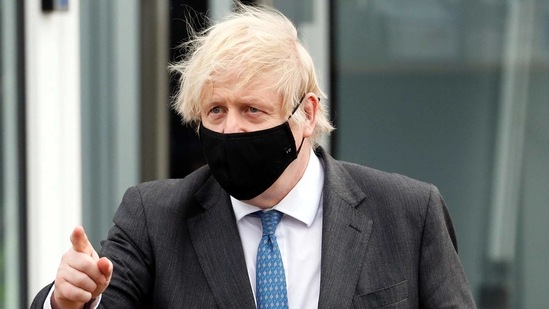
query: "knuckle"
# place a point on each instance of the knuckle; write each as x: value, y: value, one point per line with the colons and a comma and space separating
x: 67, y: 256
x: 85, y: 283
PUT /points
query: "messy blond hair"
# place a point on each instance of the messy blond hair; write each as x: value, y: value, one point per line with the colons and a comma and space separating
x: 250, y: 43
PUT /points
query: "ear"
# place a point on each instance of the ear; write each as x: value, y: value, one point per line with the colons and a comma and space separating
x: 310, y: 106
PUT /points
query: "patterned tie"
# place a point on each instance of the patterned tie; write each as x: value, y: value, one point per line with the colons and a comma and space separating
x: 270, y: 279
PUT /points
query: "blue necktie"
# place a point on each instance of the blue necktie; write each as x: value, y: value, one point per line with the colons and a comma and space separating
x: 270, y: 279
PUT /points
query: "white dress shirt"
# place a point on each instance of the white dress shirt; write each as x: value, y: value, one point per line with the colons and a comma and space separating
x: 299, y: 236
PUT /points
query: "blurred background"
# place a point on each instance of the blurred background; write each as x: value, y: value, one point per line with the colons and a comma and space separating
x: 451, y: 92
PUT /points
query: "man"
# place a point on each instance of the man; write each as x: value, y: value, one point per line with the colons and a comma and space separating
x: 337, y: 235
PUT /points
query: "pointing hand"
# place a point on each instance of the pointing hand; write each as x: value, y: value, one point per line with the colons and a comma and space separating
x: 81, y: 275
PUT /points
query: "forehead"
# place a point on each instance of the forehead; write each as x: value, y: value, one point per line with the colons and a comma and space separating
x: 234, y: 87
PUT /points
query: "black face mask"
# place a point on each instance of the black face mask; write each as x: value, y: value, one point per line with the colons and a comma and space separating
x: 247, y: 164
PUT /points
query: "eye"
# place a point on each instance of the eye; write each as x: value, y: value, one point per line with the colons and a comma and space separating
x: 216, y: 110
x: 253, y: 110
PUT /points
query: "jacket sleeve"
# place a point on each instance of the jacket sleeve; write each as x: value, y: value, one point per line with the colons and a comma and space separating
x: 129, y: 249
x: 442, y: 280
x: 40, y: 298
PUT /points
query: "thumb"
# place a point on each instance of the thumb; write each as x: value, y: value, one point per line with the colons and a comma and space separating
x: 105, y: 266
x: 80, y: 242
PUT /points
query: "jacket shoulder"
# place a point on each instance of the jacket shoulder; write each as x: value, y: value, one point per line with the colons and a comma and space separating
x: 376, y: 181
x: 168, y: 196
x: 391, y: 196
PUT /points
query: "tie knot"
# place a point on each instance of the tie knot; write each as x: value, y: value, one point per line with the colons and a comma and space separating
x: 269, y: 220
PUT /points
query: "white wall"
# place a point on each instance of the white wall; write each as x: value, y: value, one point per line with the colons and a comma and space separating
x: 53, y: 137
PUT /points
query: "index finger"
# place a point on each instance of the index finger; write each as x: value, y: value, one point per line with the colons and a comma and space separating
x: 80, y: 242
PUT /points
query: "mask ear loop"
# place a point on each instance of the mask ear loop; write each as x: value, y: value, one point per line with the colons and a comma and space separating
x: 293, y: 111
x: 296, y: 107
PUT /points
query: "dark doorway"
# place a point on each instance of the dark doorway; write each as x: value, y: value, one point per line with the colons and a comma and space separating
x: 185, y: 151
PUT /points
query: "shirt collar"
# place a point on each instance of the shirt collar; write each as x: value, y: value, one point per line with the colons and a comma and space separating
x: 301, y: 202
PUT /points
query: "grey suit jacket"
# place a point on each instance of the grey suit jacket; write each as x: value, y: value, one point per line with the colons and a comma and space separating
x: 387, y: 242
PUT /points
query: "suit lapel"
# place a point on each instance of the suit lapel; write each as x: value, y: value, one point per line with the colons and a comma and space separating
x: 345, y: 235
x: 217, y: 244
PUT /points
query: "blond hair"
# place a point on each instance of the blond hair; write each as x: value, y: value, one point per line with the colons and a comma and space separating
x: 250, y: 43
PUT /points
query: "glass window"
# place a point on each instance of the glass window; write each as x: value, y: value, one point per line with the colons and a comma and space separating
x: 12, y: 224
x: 109, y: 44
x: 455, y: 93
